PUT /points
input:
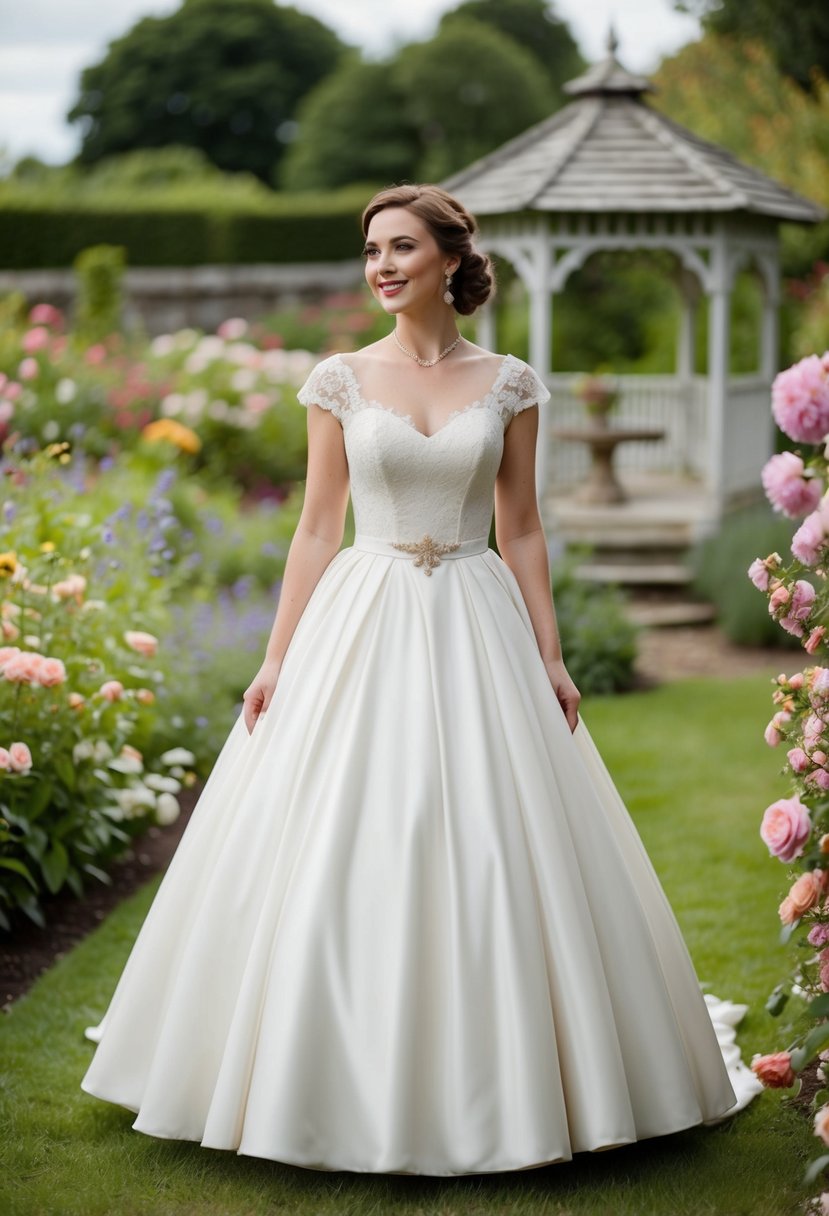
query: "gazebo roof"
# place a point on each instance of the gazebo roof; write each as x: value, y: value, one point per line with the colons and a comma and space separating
x: 609, y: 151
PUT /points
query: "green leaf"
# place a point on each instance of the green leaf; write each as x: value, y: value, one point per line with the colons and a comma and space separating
x: 55, y: 864
x: 777, y: 1001
x: 819, y: 1007
x: 816, y: 1169
x: 65, y: 769
x: 33, y: 910
x: 39, y: 800
x: 11, y: 863
x: 101, y: 875
x: 816, y: 1040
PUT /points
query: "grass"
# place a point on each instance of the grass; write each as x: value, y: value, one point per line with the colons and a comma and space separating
x: 690, y: 762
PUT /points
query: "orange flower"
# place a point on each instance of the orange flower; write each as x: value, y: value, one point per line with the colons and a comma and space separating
x: 167, y: 428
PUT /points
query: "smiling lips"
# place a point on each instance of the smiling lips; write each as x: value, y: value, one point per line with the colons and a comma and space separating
x: 391, y: 289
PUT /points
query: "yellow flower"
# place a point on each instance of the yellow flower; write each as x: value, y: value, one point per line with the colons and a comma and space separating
x: 167, y: 428
x: 8, y: 563
x: 47, y: 546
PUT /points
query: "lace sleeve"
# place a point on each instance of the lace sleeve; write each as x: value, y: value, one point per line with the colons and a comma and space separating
x: 523, y: 388
x: 329, y: 387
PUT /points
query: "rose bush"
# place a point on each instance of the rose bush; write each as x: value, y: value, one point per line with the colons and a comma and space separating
x: 796, y: 829
x: 84, y: 765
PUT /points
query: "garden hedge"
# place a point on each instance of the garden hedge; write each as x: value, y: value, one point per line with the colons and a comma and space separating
x: 48, y: 235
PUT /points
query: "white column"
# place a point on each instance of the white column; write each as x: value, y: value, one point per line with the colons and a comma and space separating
x: 688, y: 286
x: 541, y: 320
x: 485, y: 328
x: 719, y: 346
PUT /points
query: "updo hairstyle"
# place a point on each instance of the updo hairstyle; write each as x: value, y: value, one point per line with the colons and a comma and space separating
x: 453, y: 228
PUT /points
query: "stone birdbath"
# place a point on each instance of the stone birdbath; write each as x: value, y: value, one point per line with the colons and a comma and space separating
x: 599, y: 396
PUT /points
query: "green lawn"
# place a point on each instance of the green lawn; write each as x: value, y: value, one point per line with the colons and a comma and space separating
x: 691, y: 763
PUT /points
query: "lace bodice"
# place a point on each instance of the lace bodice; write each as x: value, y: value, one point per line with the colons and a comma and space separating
x: 405, y: 483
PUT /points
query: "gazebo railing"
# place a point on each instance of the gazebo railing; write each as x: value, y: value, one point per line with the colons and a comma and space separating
x: 748, y: 432
x: 679, y: 407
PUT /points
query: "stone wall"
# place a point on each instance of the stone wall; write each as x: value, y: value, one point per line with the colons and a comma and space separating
x: 162, y: 299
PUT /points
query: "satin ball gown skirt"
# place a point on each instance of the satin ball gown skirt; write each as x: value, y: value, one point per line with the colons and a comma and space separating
x: 411, y: 927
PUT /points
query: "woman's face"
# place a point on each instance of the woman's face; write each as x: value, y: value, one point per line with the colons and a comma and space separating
x: 405, y: 268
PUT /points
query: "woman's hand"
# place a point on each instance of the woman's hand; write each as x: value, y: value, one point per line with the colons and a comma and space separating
x: 566, y: 691
x: 258, y: 696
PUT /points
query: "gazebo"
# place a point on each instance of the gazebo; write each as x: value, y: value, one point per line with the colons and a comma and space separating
x: 608, y: 172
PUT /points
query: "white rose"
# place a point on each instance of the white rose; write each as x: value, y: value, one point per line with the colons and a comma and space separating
x: 178, y: 755
x: 167, y: 809
x: 164, y: 785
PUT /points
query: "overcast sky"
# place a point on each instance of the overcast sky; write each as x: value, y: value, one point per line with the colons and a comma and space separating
x: 44, y: 44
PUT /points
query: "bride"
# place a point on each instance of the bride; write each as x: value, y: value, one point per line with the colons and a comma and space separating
x: 411, y: 927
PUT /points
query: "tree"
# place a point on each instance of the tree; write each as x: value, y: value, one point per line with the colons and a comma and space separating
x: 533, y: 25
x: 732, y: 93
x: 352, y: 128
x: 467, y: 91
x: 797, y: 35
x: 225, y: 76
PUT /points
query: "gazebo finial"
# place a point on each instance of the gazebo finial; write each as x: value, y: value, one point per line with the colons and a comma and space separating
x: 612, y: 40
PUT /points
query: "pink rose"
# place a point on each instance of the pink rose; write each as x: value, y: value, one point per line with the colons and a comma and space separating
x: 785, y: 828
x: 814, y: 639
x: 773, y: 733
x: 5, y: 759
x: 6, y: 653
x: 759, y: 575
x: 775, y: 1071
x: 818, y: 684
x: 72, y: 587
x: 232, y: 329
x: 28, y: 369
x: 50, y: 672
x: 822, y: 1126
x: 257, y: 403
x: 813, y: 729
x: 45, y: 314
x: 112, y: 690
x: 75, y: 700
x: 798, y: 759
x: 20, y: 758
x: 809, y: 539
x: 144, y: 696
x: 820, y: 778
x: 143, y: 643
x: 792, y: 625
x: 824, y: 969
x: 796, y: 681
x: 787, y: 488
x: 803, y: 597
x: 779, y: 598
x: 818, y: 935
x: 22, y: 668
x: 800, y: 400
x: 35, y: 339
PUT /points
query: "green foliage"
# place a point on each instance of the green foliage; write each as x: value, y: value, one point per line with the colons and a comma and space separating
x: 719, y: 566
x: 768, y: 122
x: 221, y: 75
x: 462, y: 114
x: 84, y: 766
x: 532, y: 25
x: 795, y: 34
x: 99, y: 271
x: 598, y: 639
x: 352, y: 128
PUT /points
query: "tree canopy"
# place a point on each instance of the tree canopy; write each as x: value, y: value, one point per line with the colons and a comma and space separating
x: 535, y: 27
x: 352, y: 128
x: 796, y: 34
x: 224, y: 76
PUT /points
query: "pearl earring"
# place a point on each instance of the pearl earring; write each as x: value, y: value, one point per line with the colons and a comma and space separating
x: 448, y: 298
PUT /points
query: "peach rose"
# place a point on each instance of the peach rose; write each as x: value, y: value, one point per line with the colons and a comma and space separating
x: 775, y: 1071
x: 51, y: 672
x: 804, y: 894
x: 9, y: 630
x: 786, y: 911
x: 5, y: 759
x: 22, y: 668
x: 69, y: 588
x: 6, y: 653
x: 112, y: 690
x: 144, y: 696
x: 76, y: 701
x: 20, y: 758
x: 143, y: 643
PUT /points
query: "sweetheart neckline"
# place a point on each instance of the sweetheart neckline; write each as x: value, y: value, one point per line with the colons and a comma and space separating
x: 372, y: 403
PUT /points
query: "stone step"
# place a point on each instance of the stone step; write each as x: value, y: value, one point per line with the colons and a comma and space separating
x: 664, y: 614
x: 635, y: 572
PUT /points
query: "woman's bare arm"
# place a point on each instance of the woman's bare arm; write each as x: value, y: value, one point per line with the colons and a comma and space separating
x: 318, y: 536
x: 521, y: 542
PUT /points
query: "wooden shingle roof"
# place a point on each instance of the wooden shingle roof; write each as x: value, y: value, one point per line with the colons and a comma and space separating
x: 609, y: 151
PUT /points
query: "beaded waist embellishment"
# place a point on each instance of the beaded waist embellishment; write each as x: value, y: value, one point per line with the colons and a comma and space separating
x: 426, y: 552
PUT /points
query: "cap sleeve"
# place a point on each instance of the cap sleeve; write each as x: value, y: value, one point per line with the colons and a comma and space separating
x: 523, y: 388
x: 330, y: 387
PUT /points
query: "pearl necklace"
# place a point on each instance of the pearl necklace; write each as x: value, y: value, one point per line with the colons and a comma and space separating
x: 417, y: 358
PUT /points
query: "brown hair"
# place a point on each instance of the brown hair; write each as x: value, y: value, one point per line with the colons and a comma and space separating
x: 453, y: 228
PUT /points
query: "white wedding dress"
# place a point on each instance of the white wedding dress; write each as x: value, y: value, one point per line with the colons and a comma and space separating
x: 411, y: 927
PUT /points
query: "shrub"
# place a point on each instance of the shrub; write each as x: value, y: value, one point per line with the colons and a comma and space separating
x: 719, y: 564
x: 597, y: 637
